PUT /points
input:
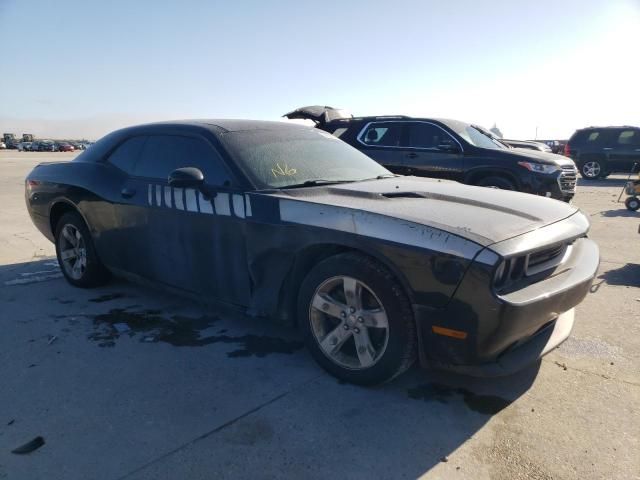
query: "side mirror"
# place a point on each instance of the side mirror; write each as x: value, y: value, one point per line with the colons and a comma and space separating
x: 186, y: 177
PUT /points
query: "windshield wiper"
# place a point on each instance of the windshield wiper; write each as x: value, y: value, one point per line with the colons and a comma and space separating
x: 484, y: 132
x: 380, y: 177
x: 315, y: 183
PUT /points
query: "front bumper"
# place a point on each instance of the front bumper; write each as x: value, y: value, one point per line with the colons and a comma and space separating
x: 523, y: 354
x: 560, y: 185
x: 505, y: 332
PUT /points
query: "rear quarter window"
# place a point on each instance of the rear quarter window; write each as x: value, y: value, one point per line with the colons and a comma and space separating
x: 383, y: 134
x: 126, y: 155
x: 593, y: 136
x: 587, y: 137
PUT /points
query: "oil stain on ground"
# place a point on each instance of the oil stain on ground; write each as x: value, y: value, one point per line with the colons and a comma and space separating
x: 107, y: 298
x: 181, y: 331
x: 434, y: 392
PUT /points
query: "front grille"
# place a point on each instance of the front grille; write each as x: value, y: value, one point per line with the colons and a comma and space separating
x: 535, y: 265
x: 546, y: 259
x: 567, y: 179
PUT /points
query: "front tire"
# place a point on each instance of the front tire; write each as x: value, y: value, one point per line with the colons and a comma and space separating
x: 76, y: 254
x: 356, y: 320
x: 632, y: 203
x: 496, y: 182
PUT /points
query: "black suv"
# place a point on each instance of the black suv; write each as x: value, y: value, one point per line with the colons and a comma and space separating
x: 448, y: 149
x: 599, y: 151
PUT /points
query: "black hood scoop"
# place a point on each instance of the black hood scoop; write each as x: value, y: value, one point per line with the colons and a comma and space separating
x: 404, y: 195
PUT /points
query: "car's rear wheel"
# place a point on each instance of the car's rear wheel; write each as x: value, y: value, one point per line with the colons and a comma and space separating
x: 76, y: 254
x: 357, y: 320
x: 632, y: 203
x: 496, y: 182
x: 592, y: 169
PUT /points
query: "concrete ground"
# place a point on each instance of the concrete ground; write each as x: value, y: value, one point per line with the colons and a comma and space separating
x: 125, y: 382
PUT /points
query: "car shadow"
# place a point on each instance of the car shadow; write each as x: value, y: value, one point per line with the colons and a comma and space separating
x: 401, y: 429
x: 622, y: 212
x: 628, y: 275
x: 606, y: 182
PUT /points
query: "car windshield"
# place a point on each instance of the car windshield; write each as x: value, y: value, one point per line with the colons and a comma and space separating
x: 475, y: 135
x: 281, y: 158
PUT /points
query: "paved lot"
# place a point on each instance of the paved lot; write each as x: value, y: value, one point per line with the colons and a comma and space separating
x: 125, y: 382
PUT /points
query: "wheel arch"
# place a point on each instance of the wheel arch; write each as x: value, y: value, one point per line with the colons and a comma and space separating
x: 476, y: 175
x: 58, y: 209
x: 306, y: 258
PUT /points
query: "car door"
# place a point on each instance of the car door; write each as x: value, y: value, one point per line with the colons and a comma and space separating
x: 432, y: 152
x: 121, y: 222
x: 624, y: 153
x: 383, y: 141
x: 196, y: 238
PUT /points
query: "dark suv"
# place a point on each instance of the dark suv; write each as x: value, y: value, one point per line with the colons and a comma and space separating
x: 599, y: 151
x: 448, y: 149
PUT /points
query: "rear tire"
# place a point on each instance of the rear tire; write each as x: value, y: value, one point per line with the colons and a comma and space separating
x: 496, y: 182
x: 592, y: 170
x: 632, y: 203
x: 356, y: 320
x: 76, y: 254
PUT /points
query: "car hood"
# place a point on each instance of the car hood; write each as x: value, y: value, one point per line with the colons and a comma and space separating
x: 538, y: 156
x: 482, y: 215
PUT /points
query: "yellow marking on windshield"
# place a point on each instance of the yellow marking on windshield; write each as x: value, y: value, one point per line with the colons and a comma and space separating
x: 283, y: 171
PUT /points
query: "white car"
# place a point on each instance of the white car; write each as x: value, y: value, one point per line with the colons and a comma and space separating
x: 2, y: 146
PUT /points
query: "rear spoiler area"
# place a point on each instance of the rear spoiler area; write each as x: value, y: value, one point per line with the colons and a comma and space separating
x: 319, y: 114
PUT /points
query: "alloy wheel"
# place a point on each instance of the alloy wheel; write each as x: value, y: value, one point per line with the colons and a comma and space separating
x: 73, y: 252
x: 349, y: 323
x: 591, y: 169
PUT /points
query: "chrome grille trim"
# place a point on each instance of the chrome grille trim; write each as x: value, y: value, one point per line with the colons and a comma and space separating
x: 546, y: 259
x: 567, y: 179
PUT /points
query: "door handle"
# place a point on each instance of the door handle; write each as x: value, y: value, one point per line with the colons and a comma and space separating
x: 127, y: 192
x: 607, y: 148
x: 412, y: 155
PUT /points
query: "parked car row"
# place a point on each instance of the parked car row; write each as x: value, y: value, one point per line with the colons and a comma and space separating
x: 528, y: 144
x: 556, y: 146
x: 51, y: 146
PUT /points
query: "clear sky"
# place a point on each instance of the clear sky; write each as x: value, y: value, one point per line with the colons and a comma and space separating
x: 83, y: 68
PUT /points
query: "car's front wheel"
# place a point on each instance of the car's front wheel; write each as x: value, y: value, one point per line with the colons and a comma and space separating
x: 76, y: 254
x: 357, y: 320
x: 592, y: 170
x: 496, y: 182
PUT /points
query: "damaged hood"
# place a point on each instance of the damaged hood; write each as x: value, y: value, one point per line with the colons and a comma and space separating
x: 482, y: 215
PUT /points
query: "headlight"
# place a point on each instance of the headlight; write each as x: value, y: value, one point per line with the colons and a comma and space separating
x: 539, y: 167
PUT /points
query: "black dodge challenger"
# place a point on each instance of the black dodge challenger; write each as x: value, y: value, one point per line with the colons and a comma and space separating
x: 288, y: 222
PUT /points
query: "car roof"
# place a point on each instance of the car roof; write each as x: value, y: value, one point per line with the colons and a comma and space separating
x: 383, y: 118
x: 224, y: 125
x: 610, y: 127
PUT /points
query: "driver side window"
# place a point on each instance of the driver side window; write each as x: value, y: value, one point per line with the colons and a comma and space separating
x: 426, y: 135
x: 162, y: 154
